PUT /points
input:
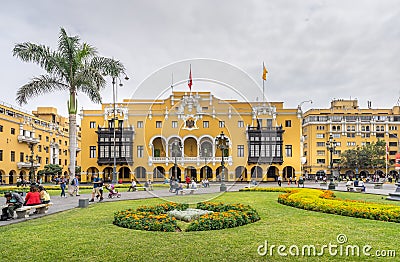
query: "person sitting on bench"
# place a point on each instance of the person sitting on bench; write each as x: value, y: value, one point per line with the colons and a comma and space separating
x: 13, y: 201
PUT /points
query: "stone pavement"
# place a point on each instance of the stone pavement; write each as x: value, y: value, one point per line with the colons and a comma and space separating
x: 63, y: 204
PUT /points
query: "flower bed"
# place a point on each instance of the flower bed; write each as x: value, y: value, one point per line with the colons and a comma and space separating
x: 150, y: 218
x: 325, y: 201
x: 224, y: 216
x: 157, y: 218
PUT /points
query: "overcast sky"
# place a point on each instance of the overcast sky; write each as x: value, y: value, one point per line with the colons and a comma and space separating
x: 318, y: 50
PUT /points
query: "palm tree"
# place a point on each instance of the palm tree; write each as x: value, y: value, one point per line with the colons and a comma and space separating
x: 74, y: 67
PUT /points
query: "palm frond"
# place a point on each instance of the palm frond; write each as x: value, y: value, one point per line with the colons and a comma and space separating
x: 38, y: 86
x: 39, y: 54
x: 108, y: 66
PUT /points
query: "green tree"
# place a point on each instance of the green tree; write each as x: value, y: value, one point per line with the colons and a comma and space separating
x: 73, y: 67
x: 370, y: 156
x: 51, y: 169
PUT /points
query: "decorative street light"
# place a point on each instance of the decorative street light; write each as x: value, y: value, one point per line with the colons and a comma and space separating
x: 331, y: 145
x: 176, y: 149
x: 114, y: 85
x: 222, y: 142
x: 31, y: 159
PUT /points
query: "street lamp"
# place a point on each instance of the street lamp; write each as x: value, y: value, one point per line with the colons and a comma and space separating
x: 114, y: 85
x: 31, y: 159
x: 331, y: 145
x: 176, y: 149
x: 222, y: 142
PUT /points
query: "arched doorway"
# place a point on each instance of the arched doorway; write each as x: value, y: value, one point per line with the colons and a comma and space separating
x: 272, y: 173
x: 158, y: 173
x: 191, y: 172
x: 241, y: 173
x: 218, y: 173
x: 175, y: 173
x: 206, y: 172
x: 190, y: 147
x: 90, y: 172
x: 206, y: 148
x: 11, y: 177
x: 321, y: 174
x: 2, y: 181
x: 256, y: 173
x: 288, y: 172
x: 159, y: 147
x: 380, y: 173
x: 140, y: 173
x: 107, y: 174
x: 124, y: 174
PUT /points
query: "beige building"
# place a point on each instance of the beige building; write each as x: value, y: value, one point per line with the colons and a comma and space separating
x: 29, y: 141
x: 350, y: 127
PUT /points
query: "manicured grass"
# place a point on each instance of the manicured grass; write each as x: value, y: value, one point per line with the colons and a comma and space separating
x: 89, y: 235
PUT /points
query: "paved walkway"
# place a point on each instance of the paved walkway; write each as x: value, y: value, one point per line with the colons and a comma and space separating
x: 63, y: 204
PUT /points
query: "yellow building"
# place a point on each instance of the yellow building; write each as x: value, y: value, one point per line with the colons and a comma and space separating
x: 31, y: 141
x: 153, y: 136
x: 350, y: 126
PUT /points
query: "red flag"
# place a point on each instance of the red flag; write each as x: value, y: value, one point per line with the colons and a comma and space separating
x: 190, y: 81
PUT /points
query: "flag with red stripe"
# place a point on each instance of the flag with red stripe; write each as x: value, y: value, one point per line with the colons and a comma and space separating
x: 190, y: 81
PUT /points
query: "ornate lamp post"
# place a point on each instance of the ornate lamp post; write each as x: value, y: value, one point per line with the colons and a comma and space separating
x: 31, y: 159
x: 176, y: 149
x: 114, y: 86
x: 331, y: 145
x: 222, y: 142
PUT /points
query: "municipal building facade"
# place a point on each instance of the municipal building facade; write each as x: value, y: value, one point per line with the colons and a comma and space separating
x: 175, y: 137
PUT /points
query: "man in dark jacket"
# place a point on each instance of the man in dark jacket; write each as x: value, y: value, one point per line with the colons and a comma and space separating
x: 14, y: 201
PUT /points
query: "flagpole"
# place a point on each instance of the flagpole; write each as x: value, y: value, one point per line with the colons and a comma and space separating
x: 191, y: 80
x: 172, y: 82
x: 263, y: 83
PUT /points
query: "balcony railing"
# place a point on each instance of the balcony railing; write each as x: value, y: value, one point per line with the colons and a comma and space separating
x: 189, y: 160
x: 21, y: 165
x: 28, y: 139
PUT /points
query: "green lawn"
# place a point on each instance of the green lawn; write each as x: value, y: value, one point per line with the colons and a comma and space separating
x: 89, y: 235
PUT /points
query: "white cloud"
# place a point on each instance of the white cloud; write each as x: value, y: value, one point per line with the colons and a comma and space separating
x: 313, y: 49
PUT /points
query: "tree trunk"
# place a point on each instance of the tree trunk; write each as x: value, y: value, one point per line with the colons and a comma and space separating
x: 72, y: 146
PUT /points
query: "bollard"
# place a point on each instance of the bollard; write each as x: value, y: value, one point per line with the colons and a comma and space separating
x: 83, y: 202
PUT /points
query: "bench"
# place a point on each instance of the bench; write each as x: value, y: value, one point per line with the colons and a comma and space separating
x: 190, y: 190
x: 378, y: 185
x: 357, y: 189
x: 142, y: 187
x: 23, y: 212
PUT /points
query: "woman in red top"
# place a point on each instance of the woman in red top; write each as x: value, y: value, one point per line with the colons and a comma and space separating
x: 32, y: 197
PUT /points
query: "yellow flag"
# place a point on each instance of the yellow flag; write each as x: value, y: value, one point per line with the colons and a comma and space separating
x: 264, y: 75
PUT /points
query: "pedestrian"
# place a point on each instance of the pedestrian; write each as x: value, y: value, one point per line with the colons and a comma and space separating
x: 187, y: 181
x: 279, y: 181
x: 97, y: 188
x: 133, y: 186
x: 63, y: 183
x: 74, y: 187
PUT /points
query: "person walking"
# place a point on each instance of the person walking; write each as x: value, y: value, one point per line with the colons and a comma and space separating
x: 279, y: 181
x: 97, y: 188
x: 74, y: 187
x: 63, y: 183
